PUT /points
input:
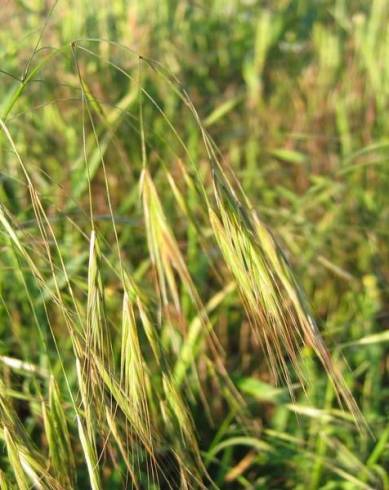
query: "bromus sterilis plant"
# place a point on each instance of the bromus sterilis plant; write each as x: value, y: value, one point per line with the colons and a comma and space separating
x: 155, y: 334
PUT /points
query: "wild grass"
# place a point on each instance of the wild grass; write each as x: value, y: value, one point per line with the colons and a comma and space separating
x: 194, y: 260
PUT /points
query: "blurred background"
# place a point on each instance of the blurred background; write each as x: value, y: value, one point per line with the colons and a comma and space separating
x: 295, y: 95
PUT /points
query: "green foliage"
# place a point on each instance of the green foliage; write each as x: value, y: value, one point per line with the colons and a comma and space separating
x: 194, y: 207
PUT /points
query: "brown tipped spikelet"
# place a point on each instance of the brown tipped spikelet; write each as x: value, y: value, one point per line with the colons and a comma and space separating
x: 273, y: 302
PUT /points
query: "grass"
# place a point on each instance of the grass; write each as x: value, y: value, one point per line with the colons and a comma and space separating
x: 194, y: 245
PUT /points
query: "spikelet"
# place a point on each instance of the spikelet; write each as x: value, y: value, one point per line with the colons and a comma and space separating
x: 273, y: 302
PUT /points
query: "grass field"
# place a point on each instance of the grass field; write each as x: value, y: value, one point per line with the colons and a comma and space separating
x: 194, y: 260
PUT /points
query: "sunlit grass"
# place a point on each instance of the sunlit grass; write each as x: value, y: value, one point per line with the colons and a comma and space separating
x: 194, y: 261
